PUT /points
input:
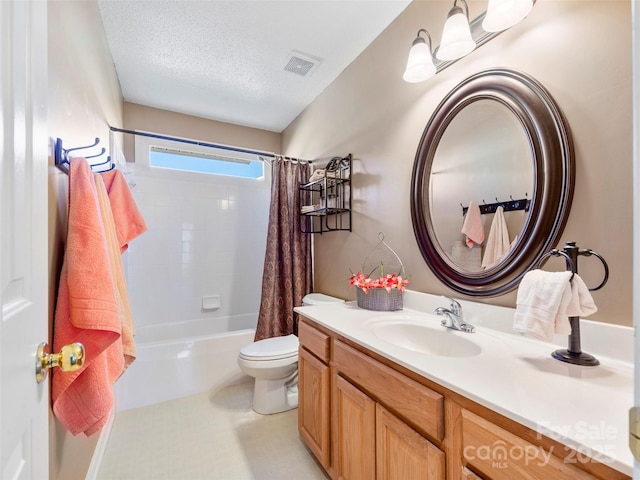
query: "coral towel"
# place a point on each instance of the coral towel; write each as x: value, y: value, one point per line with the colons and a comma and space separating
x: 115, y: 259
x: 546, y: 300
x: 126, y: 216
x: 87, y: 312
x: 472, y: 225
x: 126, y: 221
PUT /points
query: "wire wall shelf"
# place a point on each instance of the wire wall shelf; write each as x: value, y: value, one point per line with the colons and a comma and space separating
x: 326, y: 199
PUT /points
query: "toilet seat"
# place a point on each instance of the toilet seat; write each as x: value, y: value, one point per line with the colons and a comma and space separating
x: 275, y: 348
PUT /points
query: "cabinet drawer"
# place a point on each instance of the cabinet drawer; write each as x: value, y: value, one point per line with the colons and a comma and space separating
x: 500, y: 455
x: 313, y: 340
x: 416, y: 404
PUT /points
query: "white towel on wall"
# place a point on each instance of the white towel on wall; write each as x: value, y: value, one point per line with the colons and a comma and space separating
x: 498, y: 244
x: 472, y: 225
x: 546, y: 300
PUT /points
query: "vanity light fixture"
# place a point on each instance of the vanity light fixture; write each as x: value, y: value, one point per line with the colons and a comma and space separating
x: 456, y: 35
x: 460, y: 37
x: 502, y: 14
x: 420, y: 62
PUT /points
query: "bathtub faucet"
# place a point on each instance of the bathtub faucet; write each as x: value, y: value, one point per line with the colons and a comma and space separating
x: 453, y: 317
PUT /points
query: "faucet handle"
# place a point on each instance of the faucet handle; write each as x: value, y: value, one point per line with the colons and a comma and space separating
x: 455, y: 306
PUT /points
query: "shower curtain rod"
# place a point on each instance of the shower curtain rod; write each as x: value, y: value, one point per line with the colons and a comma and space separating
x: 206, y: 144
x: 193, y: 142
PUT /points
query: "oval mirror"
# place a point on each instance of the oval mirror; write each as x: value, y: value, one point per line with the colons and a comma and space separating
x: 499, y: 140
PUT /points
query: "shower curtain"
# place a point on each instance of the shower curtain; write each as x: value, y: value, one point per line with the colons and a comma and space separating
x: 287, y: 267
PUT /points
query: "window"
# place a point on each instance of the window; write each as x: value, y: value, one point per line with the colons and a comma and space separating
x: 160, y: 153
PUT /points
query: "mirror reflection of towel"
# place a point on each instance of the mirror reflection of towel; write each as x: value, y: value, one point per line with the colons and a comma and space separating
x: 472, y: 226
x: 498, y: 241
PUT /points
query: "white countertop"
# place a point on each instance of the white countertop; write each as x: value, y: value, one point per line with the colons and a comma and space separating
x: 585, y: 408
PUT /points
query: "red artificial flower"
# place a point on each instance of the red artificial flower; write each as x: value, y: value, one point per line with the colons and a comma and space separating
x: 386, y: 281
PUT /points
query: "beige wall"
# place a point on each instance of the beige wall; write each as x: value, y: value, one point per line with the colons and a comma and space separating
x: 580, y: 51
x: 148, y: 119
x: 84, y: 99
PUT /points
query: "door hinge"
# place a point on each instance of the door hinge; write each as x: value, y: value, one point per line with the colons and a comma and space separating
x: 634, y: 432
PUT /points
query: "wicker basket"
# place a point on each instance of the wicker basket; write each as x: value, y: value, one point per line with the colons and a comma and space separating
x: 380, y: 300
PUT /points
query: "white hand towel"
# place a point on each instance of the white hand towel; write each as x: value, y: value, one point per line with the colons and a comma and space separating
x: 541, y: 297
x: 546, y: 300
x: 581, y: 303
x: 498, y: 244
x: 472, y: 225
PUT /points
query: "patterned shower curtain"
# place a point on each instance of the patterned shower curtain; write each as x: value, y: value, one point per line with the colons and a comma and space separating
x: 287, y: 266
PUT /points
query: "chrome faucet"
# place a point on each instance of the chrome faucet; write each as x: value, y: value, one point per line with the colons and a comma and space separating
x: 453, y: 317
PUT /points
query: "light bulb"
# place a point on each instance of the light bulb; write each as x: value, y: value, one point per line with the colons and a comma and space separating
x: 420, y: 62
x: 502, y: 14
x: 456, y: 36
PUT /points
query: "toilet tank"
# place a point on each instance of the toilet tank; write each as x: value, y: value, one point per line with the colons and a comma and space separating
x: 318, y: 299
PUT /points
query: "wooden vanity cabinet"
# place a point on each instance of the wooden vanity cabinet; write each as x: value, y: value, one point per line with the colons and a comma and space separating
x: 365, y: 418
x: 369, y: 442
x: 353, y: 432
x: 313, y: 392
x: 402, y: 453
x: 371, y: 439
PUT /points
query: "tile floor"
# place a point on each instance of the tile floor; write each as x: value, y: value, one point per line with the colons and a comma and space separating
x: 210, y: 437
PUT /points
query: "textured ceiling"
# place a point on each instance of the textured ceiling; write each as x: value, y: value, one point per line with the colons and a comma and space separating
x: 225, y: 60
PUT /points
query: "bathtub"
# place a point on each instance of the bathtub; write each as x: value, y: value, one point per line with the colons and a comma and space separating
x: 184, y: 358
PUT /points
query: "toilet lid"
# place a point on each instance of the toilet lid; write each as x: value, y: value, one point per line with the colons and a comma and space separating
x: 271, y: 348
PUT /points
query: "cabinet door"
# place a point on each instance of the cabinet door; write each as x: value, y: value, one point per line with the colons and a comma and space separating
x: 469, y: 475
x: 313, y: 405
x: 354, y: 447
x: 404, y: 454
x: 500, y: 455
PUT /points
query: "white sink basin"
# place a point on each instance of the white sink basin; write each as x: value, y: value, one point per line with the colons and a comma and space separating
x: 423, y: 337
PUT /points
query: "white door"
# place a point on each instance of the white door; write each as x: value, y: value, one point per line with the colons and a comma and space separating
x: 24, y: 404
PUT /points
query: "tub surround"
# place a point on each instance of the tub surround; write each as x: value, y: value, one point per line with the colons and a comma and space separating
x: 585, y: 408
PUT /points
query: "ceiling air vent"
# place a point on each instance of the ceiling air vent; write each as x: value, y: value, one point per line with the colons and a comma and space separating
x: 301, y: 64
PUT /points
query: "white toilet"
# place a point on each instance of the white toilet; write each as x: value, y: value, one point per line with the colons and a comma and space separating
x: 273, y: 362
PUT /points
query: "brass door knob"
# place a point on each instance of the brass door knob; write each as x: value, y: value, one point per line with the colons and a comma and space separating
x: 70, y: 359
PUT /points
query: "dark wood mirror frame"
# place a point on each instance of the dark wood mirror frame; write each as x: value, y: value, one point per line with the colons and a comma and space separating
x: 553, y: 171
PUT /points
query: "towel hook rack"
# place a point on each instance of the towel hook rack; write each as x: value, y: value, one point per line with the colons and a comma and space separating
x: 508, y: 206
x: 61, y: 156
x: 574, y: 354
x: 68, y: 150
